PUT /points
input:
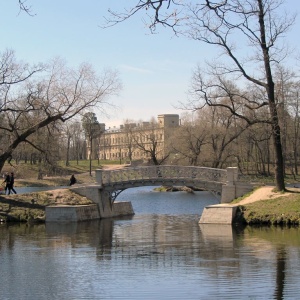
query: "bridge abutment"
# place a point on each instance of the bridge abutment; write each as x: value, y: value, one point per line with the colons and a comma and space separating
x: 233, y: 187
x: 106, y: 207
x: 110, y: 183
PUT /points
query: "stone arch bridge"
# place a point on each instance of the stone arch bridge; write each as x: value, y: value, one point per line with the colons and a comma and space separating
x: 224, y: 183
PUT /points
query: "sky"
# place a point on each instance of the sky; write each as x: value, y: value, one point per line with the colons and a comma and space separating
x: 155, y: 69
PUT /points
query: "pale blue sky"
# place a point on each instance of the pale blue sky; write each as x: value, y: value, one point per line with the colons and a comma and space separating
x: 155, y: 69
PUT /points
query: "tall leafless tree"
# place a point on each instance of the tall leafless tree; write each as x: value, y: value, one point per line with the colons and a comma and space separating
x: 30, y: 100
x: 256, y: 25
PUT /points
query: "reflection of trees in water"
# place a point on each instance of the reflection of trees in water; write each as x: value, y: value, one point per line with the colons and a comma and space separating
x: 220, y: 251
x: 96, y: 234
x: 280, y: 272
x: 11, y: 232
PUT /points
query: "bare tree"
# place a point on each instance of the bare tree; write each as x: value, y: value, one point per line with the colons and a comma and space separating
x: 164, y: 12
x: 129, y: 145
x: 31, y: 100
x: 148, y: 140
x: 189, y: 140
x: 92, y: 129
x: 24, y: 7
x: 77, y: 142
x: 256, y: 25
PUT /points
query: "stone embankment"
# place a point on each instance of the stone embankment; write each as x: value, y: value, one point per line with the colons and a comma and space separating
x: 31, y: 207
x: 274, y: 208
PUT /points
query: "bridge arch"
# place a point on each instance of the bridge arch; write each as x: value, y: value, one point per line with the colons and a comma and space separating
x: 223, y: 183
x: 115, y: 190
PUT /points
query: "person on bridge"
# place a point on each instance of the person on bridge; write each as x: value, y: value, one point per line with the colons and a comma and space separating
x: 72, y: 180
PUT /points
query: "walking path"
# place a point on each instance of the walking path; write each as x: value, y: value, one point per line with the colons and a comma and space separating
x: 265, y: 193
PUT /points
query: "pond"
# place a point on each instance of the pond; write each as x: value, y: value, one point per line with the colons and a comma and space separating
x: 162, y: 252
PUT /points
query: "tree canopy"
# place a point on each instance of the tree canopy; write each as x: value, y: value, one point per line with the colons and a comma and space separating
x: 32, y: 98
x: 249, y: 34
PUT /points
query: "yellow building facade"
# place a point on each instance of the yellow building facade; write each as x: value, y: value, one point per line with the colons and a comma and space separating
x: 138, y: 141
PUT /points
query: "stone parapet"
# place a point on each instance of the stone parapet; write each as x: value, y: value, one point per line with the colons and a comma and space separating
x: 228, y: 193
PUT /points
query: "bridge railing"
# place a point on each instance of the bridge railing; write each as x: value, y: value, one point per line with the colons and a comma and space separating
x: 107, y: 177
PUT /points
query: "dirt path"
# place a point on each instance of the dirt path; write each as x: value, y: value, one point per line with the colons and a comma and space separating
x: 265, y: 193
x: 114, y: 167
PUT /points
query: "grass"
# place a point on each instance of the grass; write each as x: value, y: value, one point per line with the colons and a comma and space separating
x: 31, y: 207
x: 23, y: 169
x: 279, y: 211
x: 26, y: 174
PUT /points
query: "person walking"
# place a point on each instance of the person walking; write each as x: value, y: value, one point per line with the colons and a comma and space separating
x: 11, y: 184
x: 7, y: 182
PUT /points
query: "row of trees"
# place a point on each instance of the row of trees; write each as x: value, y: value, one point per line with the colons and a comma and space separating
x: 249, y: 34
x: 240, y: 82
x: 38, y: 102
x: 208, y: 137
x: 215, y: 137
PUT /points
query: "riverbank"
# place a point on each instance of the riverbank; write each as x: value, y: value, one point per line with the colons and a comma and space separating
x: 31, y: 207
x: 264, y: 206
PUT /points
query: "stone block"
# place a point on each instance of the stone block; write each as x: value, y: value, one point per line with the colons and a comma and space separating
x: 218, y: 214
x: 65, y: 213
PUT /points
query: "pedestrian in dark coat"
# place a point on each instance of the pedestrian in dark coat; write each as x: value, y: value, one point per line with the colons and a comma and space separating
x: 6, y: 181
x: 73, y: 180
x: 11, y: 184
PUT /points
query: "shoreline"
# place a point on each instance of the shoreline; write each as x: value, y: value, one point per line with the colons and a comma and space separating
x: 263, y: 206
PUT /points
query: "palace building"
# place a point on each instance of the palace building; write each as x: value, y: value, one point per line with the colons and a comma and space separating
x: 138, y: 141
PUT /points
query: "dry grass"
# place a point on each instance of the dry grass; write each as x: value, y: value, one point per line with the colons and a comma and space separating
x: 282, y: 209
x: 31, y: 207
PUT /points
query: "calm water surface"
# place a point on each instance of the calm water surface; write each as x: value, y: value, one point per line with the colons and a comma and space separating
x: 160, y: 253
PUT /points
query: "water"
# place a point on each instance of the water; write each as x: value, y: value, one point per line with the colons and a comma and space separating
x: 160, y: 253
x: 26, y: 189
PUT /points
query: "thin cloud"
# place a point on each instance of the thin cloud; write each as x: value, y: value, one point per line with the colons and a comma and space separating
x: 135, y: 69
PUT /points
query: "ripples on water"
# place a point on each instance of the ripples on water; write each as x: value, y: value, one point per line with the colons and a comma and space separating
x: 160, y: 253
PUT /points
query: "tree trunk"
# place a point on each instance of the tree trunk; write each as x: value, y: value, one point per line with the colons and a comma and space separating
x: 68, y: 151
x: 91, y: 141
x: 279, y: 165
x: 270, y: 89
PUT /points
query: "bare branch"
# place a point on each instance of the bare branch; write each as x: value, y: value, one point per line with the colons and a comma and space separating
x: 157, y: 12
x: 25, y: 8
